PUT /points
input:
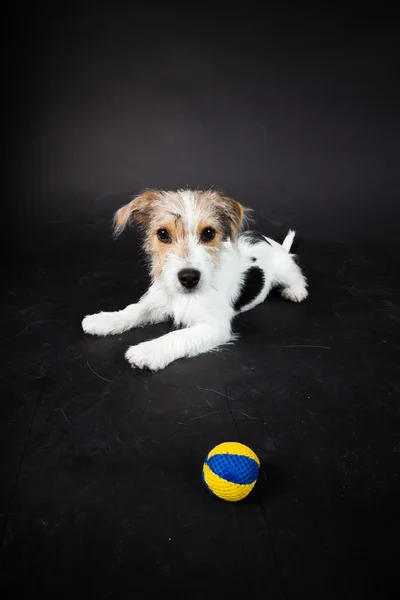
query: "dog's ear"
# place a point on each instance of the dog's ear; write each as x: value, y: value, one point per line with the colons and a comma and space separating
x: 139, y: 209
x: 234, y: 211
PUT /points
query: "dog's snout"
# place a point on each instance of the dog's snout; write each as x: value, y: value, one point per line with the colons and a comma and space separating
x: 189, y: 278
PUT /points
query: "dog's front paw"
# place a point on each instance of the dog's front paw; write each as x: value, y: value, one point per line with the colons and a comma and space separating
x: 100, y: 324
x: 147, y: 355
x: 295, y: 293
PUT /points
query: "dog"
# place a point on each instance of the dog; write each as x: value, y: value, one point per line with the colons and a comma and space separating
x: 204, y: 270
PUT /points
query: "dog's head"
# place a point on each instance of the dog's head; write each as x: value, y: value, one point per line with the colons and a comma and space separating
x: 184, y: 233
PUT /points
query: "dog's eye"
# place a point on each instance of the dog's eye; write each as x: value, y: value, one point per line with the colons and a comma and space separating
x: 208, y: 234
x: 163, y: 236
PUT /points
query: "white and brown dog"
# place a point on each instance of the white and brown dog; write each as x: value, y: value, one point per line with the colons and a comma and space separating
x: 203, y: 270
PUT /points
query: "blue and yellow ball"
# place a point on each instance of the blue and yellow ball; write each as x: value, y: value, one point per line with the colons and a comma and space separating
x: 230, y: 471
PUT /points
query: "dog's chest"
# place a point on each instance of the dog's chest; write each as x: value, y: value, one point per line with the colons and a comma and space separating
x: 186, y: 309
x: 190, y: 309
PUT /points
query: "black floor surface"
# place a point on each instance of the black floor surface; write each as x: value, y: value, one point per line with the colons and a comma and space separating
x: 101, y: 465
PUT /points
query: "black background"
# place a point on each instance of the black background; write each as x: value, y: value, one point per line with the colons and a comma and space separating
x: 294, y: 112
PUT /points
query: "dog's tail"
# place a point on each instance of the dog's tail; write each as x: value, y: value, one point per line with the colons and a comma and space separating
x: 287, y: 242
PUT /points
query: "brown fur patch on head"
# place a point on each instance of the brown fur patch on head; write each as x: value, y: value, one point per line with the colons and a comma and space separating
x: 228, y: 212
x: 138, y: 209
x: 212, y: 245
x: 234, y: 211
x: 160, y: 251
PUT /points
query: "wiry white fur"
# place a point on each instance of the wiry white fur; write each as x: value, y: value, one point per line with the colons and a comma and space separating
x: 288, y: 241
x: 206, y: 312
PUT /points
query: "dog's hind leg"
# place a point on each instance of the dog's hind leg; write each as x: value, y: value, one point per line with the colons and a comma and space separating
x: 287, y: 272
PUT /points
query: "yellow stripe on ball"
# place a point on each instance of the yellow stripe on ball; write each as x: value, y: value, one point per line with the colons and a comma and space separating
x: 234, y: 448
x: 232, y: 492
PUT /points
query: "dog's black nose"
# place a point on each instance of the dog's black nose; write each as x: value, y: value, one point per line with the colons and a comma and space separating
x: 189, y: 278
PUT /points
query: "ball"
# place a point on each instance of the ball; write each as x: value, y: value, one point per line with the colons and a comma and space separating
x: 230, y: 471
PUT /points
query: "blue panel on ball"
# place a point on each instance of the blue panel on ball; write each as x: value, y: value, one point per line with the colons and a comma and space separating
x: 234, y: 468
